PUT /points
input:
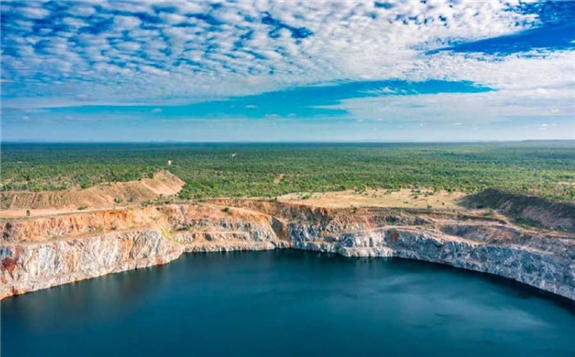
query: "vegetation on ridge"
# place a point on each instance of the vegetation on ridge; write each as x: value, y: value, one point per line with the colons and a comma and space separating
x: 233, y: 170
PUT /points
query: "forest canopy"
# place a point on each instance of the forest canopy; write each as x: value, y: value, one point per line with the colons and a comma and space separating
x: 268, y: 170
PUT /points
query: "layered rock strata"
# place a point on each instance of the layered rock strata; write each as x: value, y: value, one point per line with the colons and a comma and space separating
x: 43, y: 252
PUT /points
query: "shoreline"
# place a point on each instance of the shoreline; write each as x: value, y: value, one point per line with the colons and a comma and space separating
x: 45, y: 252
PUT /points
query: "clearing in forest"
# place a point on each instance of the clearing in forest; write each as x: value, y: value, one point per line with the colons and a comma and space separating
x: 404, y: 198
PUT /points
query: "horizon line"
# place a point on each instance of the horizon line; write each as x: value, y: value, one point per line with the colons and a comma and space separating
x: 285, y: 142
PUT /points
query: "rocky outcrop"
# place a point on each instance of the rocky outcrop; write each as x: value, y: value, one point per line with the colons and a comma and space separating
x: 43, y: 252
x: 32, y: 266
x: 553, y: 272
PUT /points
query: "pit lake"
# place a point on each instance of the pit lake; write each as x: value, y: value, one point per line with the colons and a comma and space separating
x: 289, y: 303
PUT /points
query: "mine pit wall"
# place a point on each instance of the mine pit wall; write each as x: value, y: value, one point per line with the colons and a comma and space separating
x: 35, y: 266
x: 548, y: 264
x: 545, y: 270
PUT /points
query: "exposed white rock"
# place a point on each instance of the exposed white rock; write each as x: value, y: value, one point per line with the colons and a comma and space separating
x: 34, y: 266
x: 545, y: 262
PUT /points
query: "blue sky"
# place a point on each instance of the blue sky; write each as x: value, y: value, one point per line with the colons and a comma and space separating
x: 287, y: 71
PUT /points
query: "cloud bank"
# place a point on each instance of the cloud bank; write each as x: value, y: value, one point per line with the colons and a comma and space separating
x: 116, y: 54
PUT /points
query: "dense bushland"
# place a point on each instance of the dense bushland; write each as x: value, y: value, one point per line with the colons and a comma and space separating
x: 212, y: 170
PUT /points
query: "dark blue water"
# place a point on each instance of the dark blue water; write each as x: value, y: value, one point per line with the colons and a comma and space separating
x: 289, y: 303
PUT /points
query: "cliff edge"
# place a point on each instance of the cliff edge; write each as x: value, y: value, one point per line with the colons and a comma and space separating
x: 41, y: 252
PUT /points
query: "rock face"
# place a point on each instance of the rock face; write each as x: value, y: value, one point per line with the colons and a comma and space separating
x: 43, y: 252
x: 29, y: 267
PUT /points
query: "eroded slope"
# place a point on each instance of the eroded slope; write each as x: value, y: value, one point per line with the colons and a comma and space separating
x: 38, y: 253
x: 163, y: 183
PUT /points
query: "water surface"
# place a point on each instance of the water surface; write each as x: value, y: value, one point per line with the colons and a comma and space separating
x: 288, y: 303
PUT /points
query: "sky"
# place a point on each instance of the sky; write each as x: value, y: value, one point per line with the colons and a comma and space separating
x: 258, y: 70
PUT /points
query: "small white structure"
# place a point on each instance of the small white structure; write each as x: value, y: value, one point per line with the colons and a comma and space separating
x: 169, y: 162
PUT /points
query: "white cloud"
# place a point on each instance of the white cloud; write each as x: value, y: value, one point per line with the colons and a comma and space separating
x: 82, y: 10
x: 525, y: 86
x: 230, y: 50
x: 34, y: 12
